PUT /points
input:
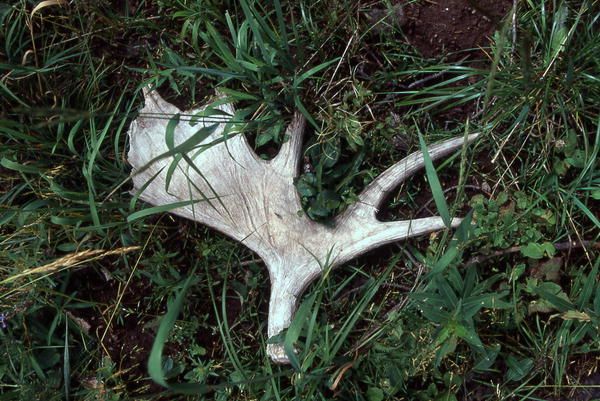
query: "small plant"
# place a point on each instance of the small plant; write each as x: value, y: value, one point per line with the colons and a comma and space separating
x: 515, y: 219
x: 454, y: 303
x: 333, y: 163
x: 326, y: 185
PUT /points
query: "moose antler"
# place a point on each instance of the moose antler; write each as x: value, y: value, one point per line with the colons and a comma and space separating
x: 223, y: 184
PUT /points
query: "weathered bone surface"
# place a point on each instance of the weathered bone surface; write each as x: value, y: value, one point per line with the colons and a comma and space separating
x: 255, y: 202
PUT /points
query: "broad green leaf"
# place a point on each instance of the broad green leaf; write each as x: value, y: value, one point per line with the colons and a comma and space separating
x: 448, y: 257
x: 533, y: 250
x: 375, y: 394
x: 446, y: 291
x: 470, y: 336
x: 549, y: 270
x: 487, y: 359
x: 559, y: 300
x: 448, y: 342
x: 559, y: 30
x: 518, y: 368
x: 473, y: 304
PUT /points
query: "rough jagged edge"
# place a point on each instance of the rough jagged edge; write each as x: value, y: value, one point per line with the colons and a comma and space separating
x: 151, y: 96
x: 277, y: 354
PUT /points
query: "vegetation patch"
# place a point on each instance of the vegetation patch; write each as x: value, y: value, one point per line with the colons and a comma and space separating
x: 505, y: 307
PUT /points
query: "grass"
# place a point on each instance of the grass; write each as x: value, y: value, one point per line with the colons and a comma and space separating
x: 505, y: 308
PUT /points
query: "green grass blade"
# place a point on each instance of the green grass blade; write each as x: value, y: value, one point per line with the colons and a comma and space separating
x: 67, y: 362
x: 586, y: 211
x: 22, y: 168
x: 282, y: 23
x: 159, y: 209
x: 302, y: 77
x: 294, y: 330
x: 155, y: 366
x: 434, y: 184
x: 588, y: 287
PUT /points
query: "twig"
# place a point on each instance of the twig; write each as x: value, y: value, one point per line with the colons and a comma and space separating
x: 561, y: 246
x: 338, y: 64
x: 251, y: 262
x: 339, y: 376
x: 351, y: 291
x: 425, y: 80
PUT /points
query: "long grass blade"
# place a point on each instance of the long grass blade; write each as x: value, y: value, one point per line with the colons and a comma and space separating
x: 434, y: 184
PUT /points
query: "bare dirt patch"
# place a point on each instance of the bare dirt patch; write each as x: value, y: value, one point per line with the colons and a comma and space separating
x: 437, y: 28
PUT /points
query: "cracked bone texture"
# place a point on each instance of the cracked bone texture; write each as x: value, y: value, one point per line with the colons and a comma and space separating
x: 255, y: 202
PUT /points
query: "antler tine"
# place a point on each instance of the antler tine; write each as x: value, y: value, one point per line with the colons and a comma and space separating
x: 376, y: 234
x: 376, y: 192
x: 290, y: 154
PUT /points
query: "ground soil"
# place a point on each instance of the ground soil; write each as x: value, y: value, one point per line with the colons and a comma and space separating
x: 128, y: 340
x: 437, y: 28
x: 453, y: 31
x: 130, y: 335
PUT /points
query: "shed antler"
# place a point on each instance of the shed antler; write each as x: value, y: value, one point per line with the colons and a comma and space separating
x: 255, y: 201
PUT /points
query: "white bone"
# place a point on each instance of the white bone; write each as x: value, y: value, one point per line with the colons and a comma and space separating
x: 255, y: 201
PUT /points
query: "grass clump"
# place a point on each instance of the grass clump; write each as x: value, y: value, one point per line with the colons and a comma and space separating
x: 505, y: 308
